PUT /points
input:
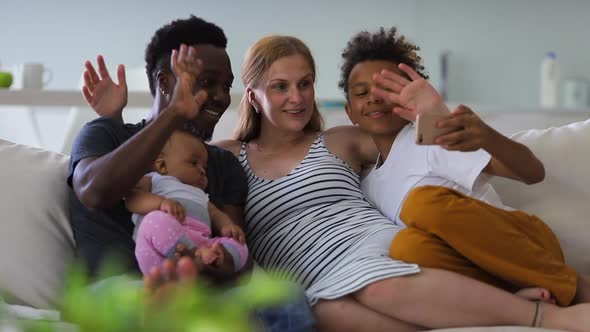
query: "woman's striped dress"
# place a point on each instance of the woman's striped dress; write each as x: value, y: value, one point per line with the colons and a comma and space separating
x: 314, y: 226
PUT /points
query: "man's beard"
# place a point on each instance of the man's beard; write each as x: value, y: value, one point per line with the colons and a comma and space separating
x: 205, y: 136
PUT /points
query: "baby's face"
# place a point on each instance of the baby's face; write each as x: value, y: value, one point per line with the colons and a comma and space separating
x: 186, y: 159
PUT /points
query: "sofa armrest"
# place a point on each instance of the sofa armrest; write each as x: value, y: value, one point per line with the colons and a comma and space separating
x: 36, y: 242
x: 562, y: 200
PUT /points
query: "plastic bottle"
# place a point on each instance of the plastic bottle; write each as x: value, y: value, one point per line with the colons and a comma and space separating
x: 549, y: 80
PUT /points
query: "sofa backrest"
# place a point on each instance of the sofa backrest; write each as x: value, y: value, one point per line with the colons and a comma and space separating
x: 36, y: 241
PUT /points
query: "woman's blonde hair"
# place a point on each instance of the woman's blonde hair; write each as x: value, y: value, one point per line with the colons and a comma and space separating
x: 257, y: 61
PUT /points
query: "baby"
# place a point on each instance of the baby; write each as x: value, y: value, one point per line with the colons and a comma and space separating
x: 172, y: 212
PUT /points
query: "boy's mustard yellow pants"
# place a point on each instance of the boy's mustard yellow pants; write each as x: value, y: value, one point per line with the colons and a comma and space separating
x: 508, y: 249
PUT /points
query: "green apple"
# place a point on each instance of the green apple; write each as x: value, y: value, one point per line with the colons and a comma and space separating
x: 5, y: 79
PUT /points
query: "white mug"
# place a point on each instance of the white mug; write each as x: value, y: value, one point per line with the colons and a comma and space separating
x: 33, y: 76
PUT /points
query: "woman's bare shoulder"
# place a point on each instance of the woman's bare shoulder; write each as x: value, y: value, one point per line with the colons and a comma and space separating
x: 230, y: 145
x: 343, y: 131
x: 352, y: 138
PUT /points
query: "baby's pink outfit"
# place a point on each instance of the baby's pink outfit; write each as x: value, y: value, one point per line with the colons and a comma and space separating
x: 159, y: 232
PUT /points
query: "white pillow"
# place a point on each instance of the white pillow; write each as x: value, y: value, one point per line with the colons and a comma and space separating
x: 562, y: 200
x: 36, y: 240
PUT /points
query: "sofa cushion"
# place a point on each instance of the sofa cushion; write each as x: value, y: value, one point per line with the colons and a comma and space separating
x: 36, y: 240
x: 562, y: 200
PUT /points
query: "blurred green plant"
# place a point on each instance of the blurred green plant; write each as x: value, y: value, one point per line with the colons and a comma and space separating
x: 121, y: 304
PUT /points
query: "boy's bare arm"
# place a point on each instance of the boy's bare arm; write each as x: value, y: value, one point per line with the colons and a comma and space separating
x: 513, y: 160
x: 510, y: 159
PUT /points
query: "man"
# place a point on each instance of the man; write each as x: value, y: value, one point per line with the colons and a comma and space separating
x: 109, y: 157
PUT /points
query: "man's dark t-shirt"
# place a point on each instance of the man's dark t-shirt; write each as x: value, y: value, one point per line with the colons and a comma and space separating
x: 101, y: 233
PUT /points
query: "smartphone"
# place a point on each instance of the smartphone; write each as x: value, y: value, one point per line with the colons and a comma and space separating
x: 426, y: 130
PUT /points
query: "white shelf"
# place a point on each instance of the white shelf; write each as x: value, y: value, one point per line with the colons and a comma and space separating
x: 486, y: 108
x: 63, y: 98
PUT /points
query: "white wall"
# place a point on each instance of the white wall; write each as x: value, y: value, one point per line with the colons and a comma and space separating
x: 63, y: 34
x: 496, y: 46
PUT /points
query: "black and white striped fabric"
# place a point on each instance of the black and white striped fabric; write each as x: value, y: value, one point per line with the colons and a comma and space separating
x: 313, y: 226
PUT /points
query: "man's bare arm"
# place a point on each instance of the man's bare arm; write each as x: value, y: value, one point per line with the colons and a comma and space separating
x: 102, y: 182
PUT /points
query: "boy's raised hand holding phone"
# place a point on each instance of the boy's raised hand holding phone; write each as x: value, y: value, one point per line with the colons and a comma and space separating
x: 414, y: 97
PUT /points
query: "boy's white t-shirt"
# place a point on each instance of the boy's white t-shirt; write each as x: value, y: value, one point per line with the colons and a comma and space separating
x: 410, y: 165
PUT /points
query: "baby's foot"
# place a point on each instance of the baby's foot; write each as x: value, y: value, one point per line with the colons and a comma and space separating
x: 162, y: 279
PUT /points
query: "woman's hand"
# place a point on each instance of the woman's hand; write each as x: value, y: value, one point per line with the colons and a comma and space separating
x: 471, y: 132
x: 102, y: 94
x: 173, y: 208
x: 186, y: 67
x: 411, y: 96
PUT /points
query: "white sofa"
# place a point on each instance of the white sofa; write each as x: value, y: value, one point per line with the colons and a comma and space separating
x: 36, y: 240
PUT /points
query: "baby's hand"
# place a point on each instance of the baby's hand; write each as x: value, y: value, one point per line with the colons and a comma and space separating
x: 233, y: 231
x: 174, y: 208
x: 412, y: 96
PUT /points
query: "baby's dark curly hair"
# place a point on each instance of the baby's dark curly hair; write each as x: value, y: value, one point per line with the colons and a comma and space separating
x: 381, y: 45
x: 190, y: 31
